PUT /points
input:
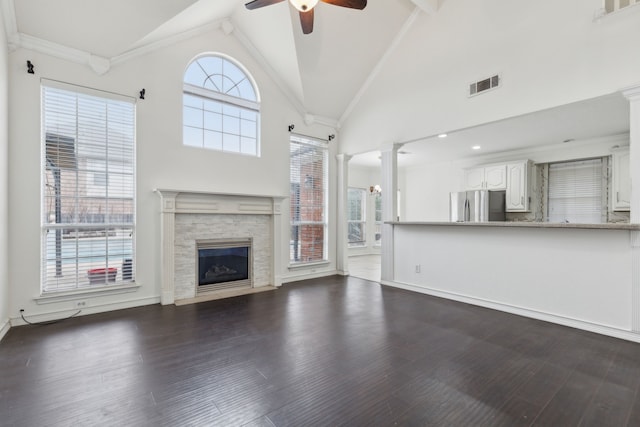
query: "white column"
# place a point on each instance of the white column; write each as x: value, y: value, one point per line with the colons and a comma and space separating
x: 342, y: 244
x: 167, y: 240
x: 276, y: 249
x: 633, y: 95
x: 389, y: 207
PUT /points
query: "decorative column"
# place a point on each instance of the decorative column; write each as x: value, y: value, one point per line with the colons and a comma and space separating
x: 342, y: 228
x: 389, y: 208
x: 167, y: 241
x: 633, y: 95
x: 277, y: 247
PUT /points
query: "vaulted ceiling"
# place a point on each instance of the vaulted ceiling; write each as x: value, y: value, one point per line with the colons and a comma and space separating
x: 321, y: 72
x: 324, y: 74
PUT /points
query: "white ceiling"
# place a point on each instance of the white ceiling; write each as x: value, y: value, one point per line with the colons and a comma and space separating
x: 322, y: 73
x: 323, y: 70
x: 571, y: 123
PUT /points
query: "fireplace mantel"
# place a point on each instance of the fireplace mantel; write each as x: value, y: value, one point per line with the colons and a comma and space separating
x: 175, y: 202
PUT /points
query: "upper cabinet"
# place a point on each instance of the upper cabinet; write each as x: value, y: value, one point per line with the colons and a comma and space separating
x: 517, y: 197
x: 486, y: 178
x: 512, y: 177
x: 621, y: 182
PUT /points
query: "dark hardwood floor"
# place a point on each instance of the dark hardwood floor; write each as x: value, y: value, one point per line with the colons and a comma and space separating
x: 326, y: 352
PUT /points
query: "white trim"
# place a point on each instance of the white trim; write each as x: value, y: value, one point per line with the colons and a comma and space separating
x: 302, y: 265
x: 54, y: 297
x: 8, y: 10
x: 93, y: 309
x: 165, y: 42
x: 5, y: 328
x: 539, y: 315
x: 428, y: 6
x: 376, y: 69
x: 311, y: 275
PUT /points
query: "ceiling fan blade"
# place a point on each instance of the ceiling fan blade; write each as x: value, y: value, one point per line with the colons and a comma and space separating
x: 306, y: 19
x: 352, y: 4
x: 255, y: 4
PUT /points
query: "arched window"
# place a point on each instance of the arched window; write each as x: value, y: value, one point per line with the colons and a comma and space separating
x: 221, y: 107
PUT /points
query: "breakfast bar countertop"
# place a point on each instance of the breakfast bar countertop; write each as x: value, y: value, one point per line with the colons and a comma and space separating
x: 508, y: 224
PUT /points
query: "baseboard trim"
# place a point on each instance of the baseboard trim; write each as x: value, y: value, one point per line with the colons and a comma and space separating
x: 520, y: 311
x: 94, y: 309
x: 298, y: 277
x: 5, y: 328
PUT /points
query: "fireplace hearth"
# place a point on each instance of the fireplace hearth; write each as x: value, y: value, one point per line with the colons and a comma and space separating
x: 223, y: 264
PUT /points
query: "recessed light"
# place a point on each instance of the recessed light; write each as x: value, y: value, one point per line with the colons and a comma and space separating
x: 442, y: 135
x: 476, y: 147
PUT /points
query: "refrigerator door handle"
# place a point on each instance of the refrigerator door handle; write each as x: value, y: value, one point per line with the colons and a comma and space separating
x: 467, y: 213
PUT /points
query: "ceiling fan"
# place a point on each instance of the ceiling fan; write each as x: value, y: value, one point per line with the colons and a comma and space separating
x: 306, y: 8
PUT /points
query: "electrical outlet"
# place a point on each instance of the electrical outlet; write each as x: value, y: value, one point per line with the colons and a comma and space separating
x: 418, y: 268
x: 81, y: 304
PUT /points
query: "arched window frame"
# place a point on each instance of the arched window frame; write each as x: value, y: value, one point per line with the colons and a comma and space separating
x: 247, y: 107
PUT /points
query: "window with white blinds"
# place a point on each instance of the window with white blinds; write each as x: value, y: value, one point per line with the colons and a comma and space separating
x: 576, y: 191
x: 308, y: 199
x: 88, y: 188
x: 357, y: 230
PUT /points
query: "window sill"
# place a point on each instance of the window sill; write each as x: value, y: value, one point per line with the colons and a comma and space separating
x: 307, y: 265
x: 54, y: 297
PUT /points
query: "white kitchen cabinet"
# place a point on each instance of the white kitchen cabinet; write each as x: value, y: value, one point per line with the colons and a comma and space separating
x: 517, y: 197
x: 621, y: 181
x: 486, y: 178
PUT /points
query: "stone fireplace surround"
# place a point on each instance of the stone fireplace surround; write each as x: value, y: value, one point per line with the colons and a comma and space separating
x: 187, y: 216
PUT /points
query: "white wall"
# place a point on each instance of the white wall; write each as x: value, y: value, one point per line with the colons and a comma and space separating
x: 427, y: 187
x: 575, y: 277
x: 162, y: 160
x: 4, y: 182
x: 364, y: 177
x: 548, y: 52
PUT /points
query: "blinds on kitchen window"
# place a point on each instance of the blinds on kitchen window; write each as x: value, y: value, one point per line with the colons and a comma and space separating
x: 575, y: 191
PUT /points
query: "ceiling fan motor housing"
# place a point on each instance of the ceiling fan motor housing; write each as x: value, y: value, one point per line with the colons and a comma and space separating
x: 304, y: 5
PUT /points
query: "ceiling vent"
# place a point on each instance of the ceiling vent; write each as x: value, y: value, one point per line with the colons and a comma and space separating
x: 484, y: 85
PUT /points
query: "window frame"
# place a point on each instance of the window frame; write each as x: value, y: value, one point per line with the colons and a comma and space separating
x: 221, y: 100
x: 321, y: 147
x: 122, y: 170
x: 603, y: 179
x: 363, y: 217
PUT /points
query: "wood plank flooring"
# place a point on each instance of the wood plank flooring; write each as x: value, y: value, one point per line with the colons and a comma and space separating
x: 326, y: 352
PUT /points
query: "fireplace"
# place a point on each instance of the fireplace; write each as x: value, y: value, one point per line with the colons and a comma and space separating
x: 223, y: 264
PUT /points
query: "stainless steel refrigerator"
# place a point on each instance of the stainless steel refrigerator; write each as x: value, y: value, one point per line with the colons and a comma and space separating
x: 477, y: 206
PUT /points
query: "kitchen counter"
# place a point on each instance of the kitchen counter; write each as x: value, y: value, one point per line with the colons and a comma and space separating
x: 578, y: 275
x: 604, y: 226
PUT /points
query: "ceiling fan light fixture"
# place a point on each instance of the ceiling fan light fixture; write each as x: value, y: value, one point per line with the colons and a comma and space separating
x: 304, y: 5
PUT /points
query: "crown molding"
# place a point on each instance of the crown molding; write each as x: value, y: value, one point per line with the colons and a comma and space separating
x: 165, y: 42
x: 428, y: 6
x: 376, y: 70
x: 97, y: 63
x: 7, y: 7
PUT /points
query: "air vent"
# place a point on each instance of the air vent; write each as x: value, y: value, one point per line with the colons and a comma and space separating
x: 484, y: 85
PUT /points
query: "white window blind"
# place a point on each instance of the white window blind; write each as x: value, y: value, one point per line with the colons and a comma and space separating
x: 575, y: 191
x: 308, y: 199
x: 356, y: 199
x: 378, y: 229
x: 221, y: 110
x: 88, y: 194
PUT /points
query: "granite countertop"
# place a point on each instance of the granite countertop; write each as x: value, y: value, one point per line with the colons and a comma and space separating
x: 522, y: 224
